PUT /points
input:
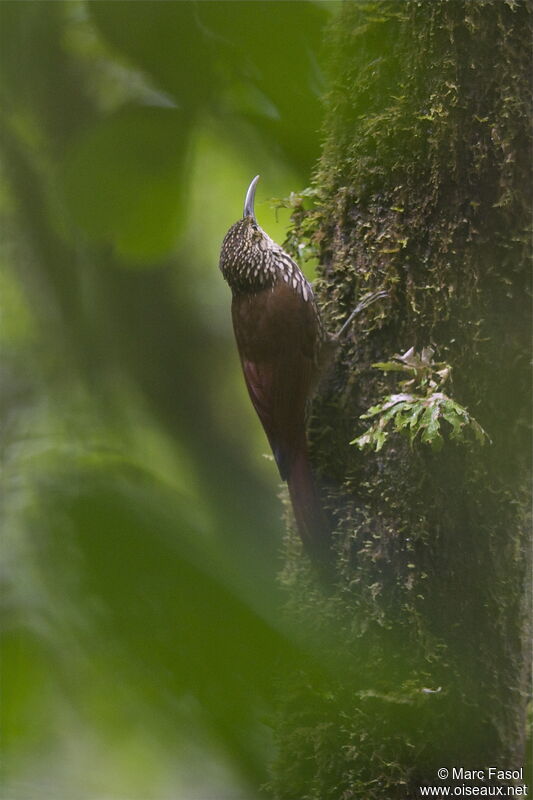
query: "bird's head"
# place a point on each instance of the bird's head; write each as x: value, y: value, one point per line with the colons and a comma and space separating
x: 247, y: 254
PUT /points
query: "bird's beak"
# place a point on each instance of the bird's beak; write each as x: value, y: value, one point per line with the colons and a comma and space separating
x: 249, y: 200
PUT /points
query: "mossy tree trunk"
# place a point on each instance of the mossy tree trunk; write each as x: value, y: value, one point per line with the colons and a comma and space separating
x: 423, y: 190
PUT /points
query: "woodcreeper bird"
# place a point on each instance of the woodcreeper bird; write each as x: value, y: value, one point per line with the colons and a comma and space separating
x: 280, y: 339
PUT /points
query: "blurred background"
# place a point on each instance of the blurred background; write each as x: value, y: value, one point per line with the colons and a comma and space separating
x: 141, y: 529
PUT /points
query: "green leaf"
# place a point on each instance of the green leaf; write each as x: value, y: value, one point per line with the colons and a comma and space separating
x: 391, y: 366
x: 413, y: 415
x: 455, y: 419
x: 123, y: 181
x: 365, y: 440
x: 421, y: 414
x: 380, y: 438
x: 431, y: 421
x: 403, y: 418
x: 372, y: 411
x: 417, y: 409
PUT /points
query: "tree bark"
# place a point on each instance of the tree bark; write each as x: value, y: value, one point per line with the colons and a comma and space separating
x: 423, y: 189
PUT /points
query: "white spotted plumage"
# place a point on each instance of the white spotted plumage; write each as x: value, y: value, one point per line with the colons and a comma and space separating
x: 250, y: 261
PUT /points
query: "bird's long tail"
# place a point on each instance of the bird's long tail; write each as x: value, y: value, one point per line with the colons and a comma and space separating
x: 308, y: 512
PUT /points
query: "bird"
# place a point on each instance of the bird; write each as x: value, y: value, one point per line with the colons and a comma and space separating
x: 281, y: 341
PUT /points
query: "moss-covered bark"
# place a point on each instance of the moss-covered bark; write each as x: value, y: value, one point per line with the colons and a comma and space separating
x: 423, y: 190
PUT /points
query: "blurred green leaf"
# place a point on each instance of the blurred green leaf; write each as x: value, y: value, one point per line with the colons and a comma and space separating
x: 253, y: 62
x: 157, y: 604
x: 163, y: 39
x: 137, y: 618
x: 124, y: 181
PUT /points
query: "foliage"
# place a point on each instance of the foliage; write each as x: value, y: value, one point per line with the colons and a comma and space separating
x: 299, y: 241
x: 141, y: 619
x: 421, y: 414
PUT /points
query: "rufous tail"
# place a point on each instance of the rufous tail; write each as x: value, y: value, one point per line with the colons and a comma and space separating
x: 308, y: 512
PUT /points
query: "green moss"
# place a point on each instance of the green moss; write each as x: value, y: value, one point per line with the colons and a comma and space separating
x: 423, y: 190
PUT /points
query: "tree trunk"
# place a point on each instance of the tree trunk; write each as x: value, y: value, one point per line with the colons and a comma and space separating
x: 423, y: 190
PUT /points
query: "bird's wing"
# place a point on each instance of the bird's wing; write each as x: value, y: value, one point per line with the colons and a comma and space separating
x: 260, y: 381
x: 276, y: 339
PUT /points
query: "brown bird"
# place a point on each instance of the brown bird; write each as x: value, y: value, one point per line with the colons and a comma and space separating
x: 280, y: 339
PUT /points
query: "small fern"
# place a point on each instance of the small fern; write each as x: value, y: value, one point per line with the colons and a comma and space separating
x: 421, y: 413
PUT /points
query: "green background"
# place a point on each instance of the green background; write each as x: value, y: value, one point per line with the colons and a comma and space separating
x: 142, y: 625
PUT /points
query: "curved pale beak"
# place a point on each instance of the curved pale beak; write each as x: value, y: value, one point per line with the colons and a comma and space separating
x: 249, y: 200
